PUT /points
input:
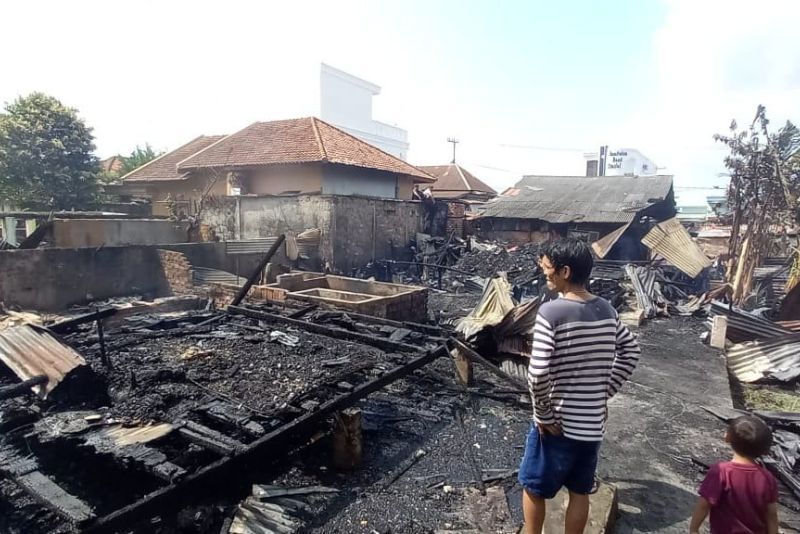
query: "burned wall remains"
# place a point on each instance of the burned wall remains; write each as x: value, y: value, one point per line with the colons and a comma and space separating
x: 355, y: 230
x: 56, y: 278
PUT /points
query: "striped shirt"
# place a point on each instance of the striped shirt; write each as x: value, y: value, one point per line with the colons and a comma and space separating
x: 582, y: 354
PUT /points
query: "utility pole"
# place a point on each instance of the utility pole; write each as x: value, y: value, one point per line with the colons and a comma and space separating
x: 455, y: 142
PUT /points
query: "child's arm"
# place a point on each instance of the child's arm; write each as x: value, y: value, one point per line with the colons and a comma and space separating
x: 772, y: 518
x: 700, y: 513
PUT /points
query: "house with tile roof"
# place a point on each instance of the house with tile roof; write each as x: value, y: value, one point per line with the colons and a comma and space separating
x: 455, y: 182
x: 285, y: 157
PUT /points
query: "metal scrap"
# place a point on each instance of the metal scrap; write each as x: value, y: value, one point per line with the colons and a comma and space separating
x: 670, y: 240
x: 32, y: 351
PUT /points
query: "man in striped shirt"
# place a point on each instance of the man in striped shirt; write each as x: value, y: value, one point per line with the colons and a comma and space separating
x: 582, y: 354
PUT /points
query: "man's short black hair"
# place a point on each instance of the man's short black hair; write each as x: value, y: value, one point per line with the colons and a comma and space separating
x: 749, y: 436
x: 573, y: 253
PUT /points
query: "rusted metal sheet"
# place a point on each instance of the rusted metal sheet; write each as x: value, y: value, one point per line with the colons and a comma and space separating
x: 670, y: 240
x: 603, y: 245
x: 777, y: 358
x: 30, y: 351
x: 745, y: 326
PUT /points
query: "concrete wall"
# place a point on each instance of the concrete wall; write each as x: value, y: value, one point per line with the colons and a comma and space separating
x: 73, y: 233
x: 54, y: 279
x: 305, y: 178
x: 345, y: 180
x: 354, y: 230
x: 185, y: 193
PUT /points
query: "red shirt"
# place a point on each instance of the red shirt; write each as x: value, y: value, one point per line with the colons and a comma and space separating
x: 739, y: 495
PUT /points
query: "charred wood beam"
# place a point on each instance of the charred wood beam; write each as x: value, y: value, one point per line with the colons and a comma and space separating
x: 338, y: 333
x: 257, y: 272
x: 271, y: 447
x: 209, y: 439
x: 489, y: 366
x: 426, y: 328
x: 17, y: 390
x: 303, y: 311
x: 68, y: 325
x: 26, y: 475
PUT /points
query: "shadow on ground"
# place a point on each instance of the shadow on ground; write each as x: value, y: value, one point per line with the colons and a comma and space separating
x: 652, y: 506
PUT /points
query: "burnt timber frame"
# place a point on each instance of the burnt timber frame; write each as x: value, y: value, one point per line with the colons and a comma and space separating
x: 338, y: 333
x: 278, y: 442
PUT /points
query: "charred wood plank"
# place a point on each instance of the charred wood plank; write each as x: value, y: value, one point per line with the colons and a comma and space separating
x: 17, y: 390
x: 68, y: 325
x: 270, y: 447
x: 303, y: 311
x: 26, y: 475
x: 257, y: 272
x: 338, y: 333
x: 210, y: 439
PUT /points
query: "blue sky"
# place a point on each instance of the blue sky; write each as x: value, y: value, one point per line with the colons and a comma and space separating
x: 557, y: 78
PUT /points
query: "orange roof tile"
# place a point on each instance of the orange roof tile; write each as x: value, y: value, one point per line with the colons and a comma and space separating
x: 165, y: 167
x: 296, y: 141
x: 453, y: 180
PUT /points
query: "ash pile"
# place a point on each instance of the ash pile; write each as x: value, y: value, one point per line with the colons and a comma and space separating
x: 175, y: 402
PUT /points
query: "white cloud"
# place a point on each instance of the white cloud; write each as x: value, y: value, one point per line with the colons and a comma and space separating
x: 716, y: 61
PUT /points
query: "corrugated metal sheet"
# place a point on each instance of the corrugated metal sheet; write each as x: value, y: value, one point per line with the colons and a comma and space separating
x: 778, y: 357
x: 203, y: 275
x: 602, y: 246
x: 744, y: 326
x: 648, y: 291
x: 564, y: 199
x: 261, y: 246
x: 31, y: 351
x: 670, y: 240
x: 772, y: 276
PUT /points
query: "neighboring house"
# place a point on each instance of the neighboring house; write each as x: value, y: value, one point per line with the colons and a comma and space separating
x: 346, y: 102
x: 112, y: 164
x: 287, y: 157
x: 453, y: 181
x: 539, y: 208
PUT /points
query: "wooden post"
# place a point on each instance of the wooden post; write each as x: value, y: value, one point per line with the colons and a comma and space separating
x: 347, y: 439
x: 463, y: 367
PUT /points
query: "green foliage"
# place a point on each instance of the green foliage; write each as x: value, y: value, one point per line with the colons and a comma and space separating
x: 138, y: 157
x: 46, y: 155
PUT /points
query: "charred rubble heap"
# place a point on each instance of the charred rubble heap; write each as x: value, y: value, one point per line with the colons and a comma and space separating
x: 641, y: 289
x: 153, y: 421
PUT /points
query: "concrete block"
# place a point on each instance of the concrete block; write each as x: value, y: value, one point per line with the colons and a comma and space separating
x: 602, y: 511
x: 719, y: 331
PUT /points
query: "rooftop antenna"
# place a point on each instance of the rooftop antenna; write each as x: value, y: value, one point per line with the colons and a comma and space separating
x: 455, y: 142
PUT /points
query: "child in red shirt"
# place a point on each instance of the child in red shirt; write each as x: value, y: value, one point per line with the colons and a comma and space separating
x: 741, y: 495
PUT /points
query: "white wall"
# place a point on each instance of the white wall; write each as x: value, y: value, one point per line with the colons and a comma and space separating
x: 346, y: 102
x: 625, y: 162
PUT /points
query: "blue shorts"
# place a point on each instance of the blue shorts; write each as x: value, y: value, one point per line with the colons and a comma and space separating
x: 551, y: 462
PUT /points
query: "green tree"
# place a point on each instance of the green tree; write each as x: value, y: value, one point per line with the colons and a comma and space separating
x: 46, y: 155
x: 138, y: 157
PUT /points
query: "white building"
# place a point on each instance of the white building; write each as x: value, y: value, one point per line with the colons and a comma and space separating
x: 618, y: 162
x: 346, y: 102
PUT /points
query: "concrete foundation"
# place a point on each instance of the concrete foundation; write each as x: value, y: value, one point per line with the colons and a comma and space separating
x: 388, y: 301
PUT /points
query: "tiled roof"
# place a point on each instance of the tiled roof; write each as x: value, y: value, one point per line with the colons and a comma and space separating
x: 564, y: 199
x: 296, y: 141
x: 453, y: 180
x: 165, y: 167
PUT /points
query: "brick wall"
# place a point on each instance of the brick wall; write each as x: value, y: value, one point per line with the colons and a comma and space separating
x: 177, y: 271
